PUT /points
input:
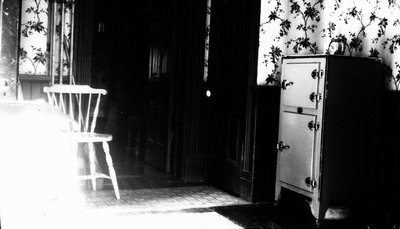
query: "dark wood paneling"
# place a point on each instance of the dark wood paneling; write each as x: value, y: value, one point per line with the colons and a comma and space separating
x: 247, y: 163
x: 264, y: 146
x: 178, y: 91
x: 158, y: 90
x: 83, y: 36
x: 192, y: 20
x: 389, y: 138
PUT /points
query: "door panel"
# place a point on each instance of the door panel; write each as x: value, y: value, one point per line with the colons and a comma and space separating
x: 301, y: 84
x: 230, y: 39
x: 296, y: 162
x: 233, y: 139
x: 157, y: 124
x: 158, y: 95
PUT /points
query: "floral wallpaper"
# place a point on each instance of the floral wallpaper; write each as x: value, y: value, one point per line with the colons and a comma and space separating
x: 207, y: 41
x: 368, y: 28
x: 36, y: 35
x: 33, y: 46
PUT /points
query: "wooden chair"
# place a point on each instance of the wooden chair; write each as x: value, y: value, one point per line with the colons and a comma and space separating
x: 81, y: 102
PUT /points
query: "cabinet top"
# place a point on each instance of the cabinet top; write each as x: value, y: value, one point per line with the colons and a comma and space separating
x: 328, y: 56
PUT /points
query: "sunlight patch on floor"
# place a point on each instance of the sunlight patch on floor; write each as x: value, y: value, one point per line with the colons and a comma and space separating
x: 175, y: 207
x: 160, y: 220
x: 162, y: 199
x: 101, y: 220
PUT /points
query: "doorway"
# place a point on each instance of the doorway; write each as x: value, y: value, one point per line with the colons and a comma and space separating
x: 151, y: 58
x: 231, y: 51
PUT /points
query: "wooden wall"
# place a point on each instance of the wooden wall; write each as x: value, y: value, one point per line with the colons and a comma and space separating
x: 32, y: 86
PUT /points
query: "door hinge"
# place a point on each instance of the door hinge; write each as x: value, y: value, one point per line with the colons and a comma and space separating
x: 317, y: 74
x: 313, y: 125
x: 310, y: 182
x: 315, y: 97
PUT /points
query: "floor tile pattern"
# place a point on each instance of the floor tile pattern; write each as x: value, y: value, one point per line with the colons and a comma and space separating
x: 153, y: 199
x: 160, y: 199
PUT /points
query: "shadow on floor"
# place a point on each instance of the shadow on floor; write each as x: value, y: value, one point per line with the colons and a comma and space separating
x: 295, y: 214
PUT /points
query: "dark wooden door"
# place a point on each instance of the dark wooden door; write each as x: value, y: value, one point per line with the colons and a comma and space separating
x: 228, y: 83
x: 158, y: 93
x: 157, y: 125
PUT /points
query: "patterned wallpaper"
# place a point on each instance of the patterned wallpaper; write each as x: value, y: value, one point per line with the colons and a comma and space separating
x: 207, y: 41
x: 33, y: 47
x: 367, y: 28
x: 35, y: 39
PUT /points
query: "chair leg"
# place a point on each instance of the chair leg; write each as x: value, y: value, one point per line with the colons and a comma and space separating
x: 92, y: 164
x: 111, y: 170
x: 75, y: 149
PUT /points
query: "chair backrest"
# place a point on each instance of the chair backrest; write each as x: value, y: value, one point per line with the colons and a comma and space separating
x: 80, y: 102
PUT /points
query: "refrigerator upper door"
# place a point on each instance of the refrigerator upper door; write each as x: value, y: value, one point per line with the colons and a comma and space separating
x: 300, y: 84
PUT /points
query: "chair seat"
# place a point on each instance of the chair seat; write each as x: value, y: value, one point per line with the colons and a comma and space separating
x: 91, y: 137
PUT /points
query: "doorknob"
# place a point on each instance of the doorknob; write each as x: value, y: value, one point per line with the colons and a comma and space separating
x: 280, y: 147
x: 208, y: 93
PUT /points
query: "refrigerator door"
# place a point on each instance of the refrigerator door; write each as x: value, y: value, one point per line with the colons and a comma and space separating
x: 300, y: 84
x: 296, y: 163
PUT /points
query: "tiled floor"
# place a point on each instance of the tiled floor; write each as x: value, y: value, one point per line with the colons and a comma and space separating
x: 151, y: 199
x: 160, y: 199
x: 145, y: 189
